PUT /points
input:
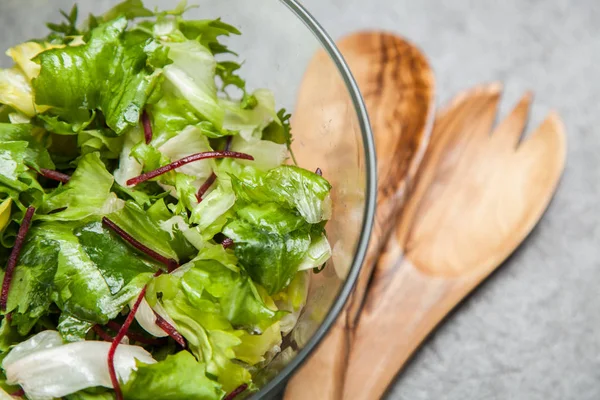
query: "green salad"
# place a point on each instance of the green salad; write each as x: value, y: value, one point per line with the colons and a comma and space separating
x: 156, y: 237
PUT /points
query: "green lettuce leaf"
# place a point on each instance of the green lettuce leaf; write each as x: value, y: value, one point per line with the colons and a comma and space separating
x: 209, y: 336
x: 80, y: 268
x: 192, y: 76
x: 179, y: 376
x: 271, y: 258
x: 33, y: 280
x: 129, y: 9
x: 98, y: 140
x: 238, y: 297
x: 170, y: 115
x: 83, y: 395
x: 292, y: 187
x: 85, y: 289
x: 73, y: 329
x: 110, y: 73
x: 36, y: 153
x: 207, y: 32
x: 140, y: 225
x: 250, y: 123
x: 12, y: 164
x: 88, y: 193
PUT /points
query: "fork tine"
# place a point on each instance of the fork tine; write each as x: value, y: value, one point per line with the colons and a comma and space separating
x: 547, y: 142
x: 509, y: 131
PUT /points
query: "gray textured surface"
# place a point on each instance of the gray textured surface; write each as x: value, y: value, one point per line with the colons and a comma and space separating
x: 533, y: 330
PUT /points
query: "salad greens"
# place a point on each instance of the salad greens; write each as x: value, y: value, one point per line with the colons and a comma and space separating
x: 156, y: 243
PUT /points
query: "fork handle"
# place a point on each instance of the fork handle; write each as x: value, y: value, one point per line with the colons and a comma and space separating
x: 403, y: 306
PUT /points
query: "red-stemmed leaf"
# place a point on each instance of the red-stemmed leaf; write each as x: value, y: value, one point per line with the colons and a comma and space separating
x: 147, y: 127
x: 187, y: 160
x: 114, y: 326
x: 205, y: 186
x: 236, y: 392
x: 169, y: 262
x: 113, y: 347
x: 14, y: 256
x: 54, y: 175
x: 170, y: 330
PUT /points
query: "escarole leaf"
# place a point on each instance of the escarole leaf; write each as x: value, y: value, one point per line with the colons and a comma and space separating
x: 78, y: 266
x: 208, y: 303
x: 86, y: 194
x: 179, y: 376
x: 142, y: 227
x: 36, y: 155
x: 271, y: 258
x: 192, y: 76
x: 22, y: 152
x: 250, y: 122
x: 111, y: 73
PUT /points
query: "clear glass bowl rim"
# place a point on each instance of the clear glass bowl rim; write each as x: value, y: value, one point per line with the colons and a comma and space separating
x: 277, y: 384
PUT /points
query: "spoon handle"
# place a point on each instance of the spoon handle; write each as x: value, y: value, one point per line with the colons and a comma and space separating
x: 403, y: 307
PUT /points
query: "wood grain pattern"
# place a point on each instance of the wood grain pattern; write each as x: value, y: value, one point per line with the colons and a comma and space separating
x: 476, y: 199
x: 398, y: 88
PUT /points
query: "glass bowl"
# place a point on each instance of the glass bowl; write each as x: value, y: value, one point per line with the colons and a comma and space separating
x: 279, y: 39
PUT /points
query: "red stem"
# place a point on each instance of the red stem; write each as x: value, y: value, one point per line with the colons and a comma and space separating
x: 227, y: 243
x: 169, y: 262
x: 18, y: 393
x: 14, y: 256
x: 169, y: 329
x: 205, y: 186
x: 113, y: 347
x: 54, y: 175
x: 319, y: 172
x: 102, y: 333
x: 147, y: 127
x: 237, y: 391
x: 114, y: 326
x: 187, y: 160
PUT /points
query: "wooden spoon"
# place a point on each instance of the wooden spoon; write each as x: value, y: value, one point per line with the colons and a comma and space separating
x: 476, y: 199
x: 398, y: 88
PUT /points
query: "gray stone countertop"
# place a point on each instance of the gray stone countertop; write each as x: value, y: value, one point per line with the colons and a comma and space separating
x: 532, y: 331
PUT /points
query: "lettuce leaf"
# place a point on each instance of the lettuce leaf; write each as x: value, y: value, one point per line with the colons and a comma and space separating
x: 110, y: 73
x: 271, y: 258
x: 192, y: 76
x: 179, y: 376
x: 140, y: 225
x: 289, y: 186
x: 47, y: 368
x: 36, y: 154
x: 238, y: 297
x: 80, y: 268
x: 88, y: 193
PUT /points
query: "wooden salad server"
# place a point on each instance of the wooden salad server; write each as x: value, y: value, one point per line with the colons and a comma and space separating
x: 476, y: 197
x: 398, y: 88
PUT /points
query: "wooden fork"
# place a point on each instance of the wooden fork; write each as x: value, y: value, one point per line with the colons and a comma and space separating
x: 477, y: 197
